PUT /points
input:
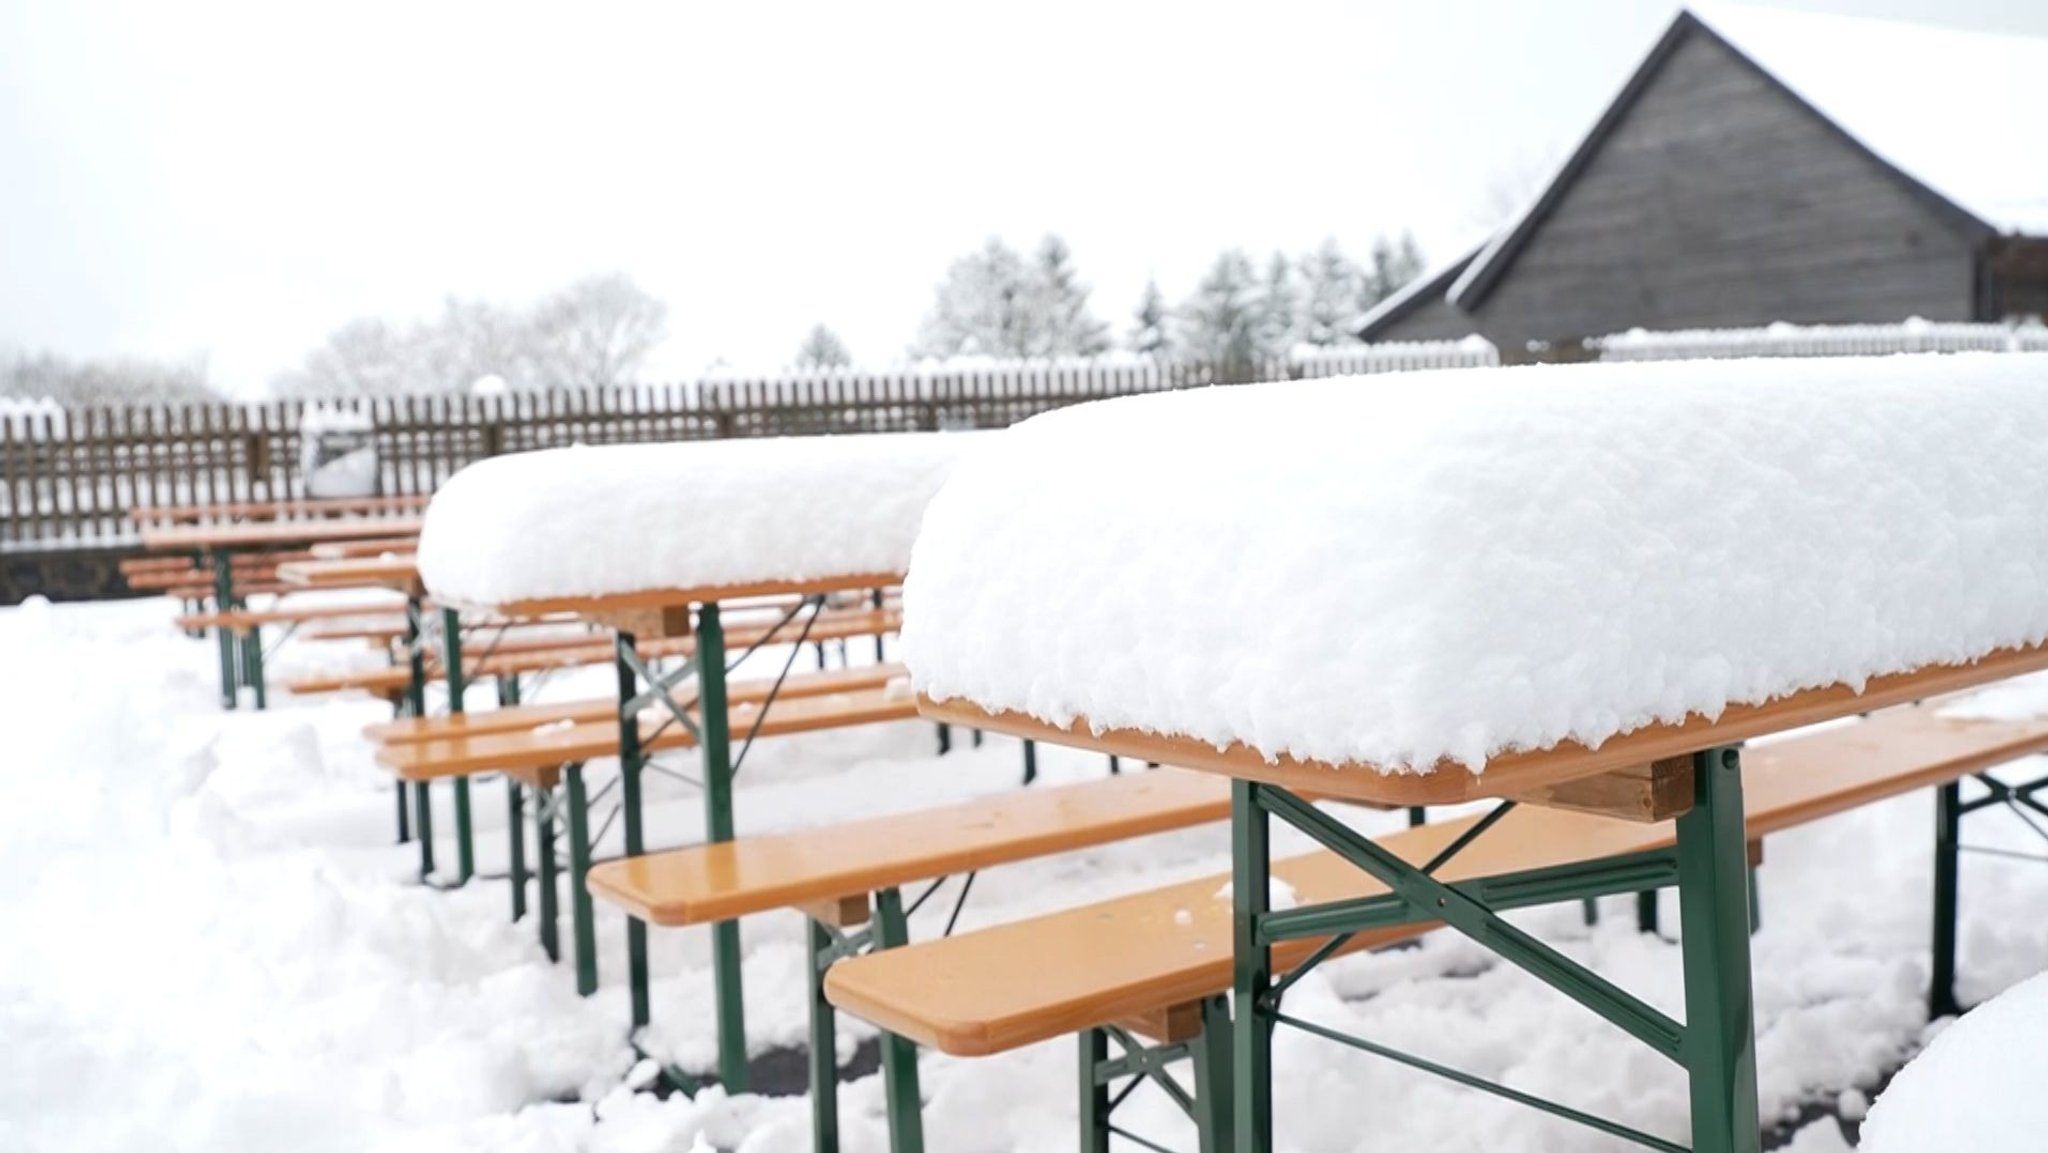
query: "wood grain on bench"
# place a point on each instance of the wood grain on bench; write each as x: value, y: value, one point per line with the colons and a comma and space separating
x: 1133, y: 958
x: 718, y: 882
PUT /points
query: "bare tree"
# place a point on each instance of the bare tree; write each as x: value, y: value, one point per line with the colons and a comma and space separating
x: 823, y: 349
x: 595, y: 332
x: 45, y: 375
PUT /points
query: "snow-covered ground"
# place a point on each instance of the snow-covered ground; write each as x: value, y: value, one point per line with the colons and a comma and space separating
x: 211, y: 942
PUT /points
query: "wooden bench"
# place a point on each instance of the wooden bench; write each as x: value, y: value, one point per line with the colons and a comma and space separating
x: 1157, y: 964
x: 523, y: 718
x: 841, y: 875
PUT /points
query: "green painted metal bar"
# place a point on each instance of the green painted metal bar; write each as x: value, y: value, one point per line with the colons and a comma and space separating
x: 515, y: 814
x: 824, y: 1054
x: 423, y: 818
x: 1941, y: 986
x: 1252, y: 969
x: 876, y: 601
x: 716, y: 746
x: 549, y: 896
x: 458, y: 685
x: 1030, y: 760
x: 1211, y: 1053
x: 631, y: 763
x: 1646, y: 912
x: 1720, y: 1040
x: 945, y: 739
x: 1459, y: 843
x: 1474, y: 919
x: 224, y: 601
x: 404, y: 814
x: 416, y: 659
x: 252, y: 665
x: 899, y: 1056
x: 515, y: 844
x: 1591, y: 1121
x: 583, y: 921
x: 1095, y: 1104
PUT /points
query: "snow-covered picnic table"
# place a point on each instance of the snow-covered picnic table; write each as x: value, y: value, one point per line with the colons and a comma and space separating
x: 1495, y: 583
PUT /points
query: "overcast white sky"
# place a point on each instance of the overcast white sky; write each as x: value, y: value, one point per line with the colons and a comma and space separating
x: 239, y: 178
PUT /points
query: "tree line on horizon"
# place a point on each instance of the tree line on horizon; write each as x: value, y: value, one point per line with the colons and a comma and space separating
x: 994, y: 302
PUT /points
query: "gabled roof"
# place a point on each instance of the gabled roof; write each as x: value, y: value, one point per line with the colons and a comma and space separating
x: 1942, y: 110
x: 1428, y: 287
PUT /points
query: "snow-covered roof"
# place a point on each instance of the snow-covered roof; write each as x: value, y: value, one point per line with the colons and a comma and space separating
x: 1430, y: 283
x: 1947, y: 107
x: 1445, y: 566
x: 599, y: 521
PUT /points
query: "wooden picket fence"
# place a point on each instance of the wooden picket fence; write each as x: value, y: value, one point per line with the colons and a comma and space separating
x: 68, y: 478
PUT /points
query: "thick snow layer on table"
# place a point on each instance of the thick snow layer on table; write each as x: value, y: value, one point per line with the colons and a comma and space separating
x: 1976, y: 1087
x: 1399, y: 570
x: 626, y: 518
x: 1936, y: 102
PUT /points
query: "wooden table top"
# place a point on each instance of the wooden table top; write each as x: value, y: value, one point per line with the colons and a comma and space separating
x: 276, y: 509
x: 354, y: 572
x: 1509, y: 774
x: 274, y: 534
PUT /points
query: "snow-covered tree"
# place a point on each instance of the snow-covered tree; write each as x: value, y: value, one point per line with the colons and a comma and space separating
x: 993, y: 302
x: 1220, y: 322
x: 1151, y: 331
x: 1394, y: 264
x: 982, y: 307
x: 1331, y: 287
x: 822, y: 349
x: 1061, y: 323
x: 594, y: 332
x: 1279, y: 304
x: 47, y: 376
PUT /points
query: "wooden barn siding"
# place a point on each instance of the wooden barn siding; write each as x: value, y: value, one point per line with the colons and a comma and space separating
x: 1717, y: 202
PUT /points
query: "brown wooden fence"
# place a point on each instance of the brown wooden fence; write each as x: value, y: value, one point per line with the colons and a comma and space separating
x: 68, y: 478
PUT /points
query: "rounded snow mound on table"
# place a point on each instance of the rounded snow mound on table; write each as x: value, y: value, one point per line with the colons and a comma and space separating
x: 1424, y: 568
x: 593, y: 521
x: 1976, y: 1087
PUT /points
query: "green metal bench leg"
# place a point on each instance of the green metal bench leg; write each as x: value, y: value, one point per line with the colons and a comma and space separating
x: 630, y: 763
x: 945, y: 739
x: 1941, y: 987
x: 1646, y: 911
x: 824, y: 1056
x: 515, y: 843
x: 899, y: 1056
x: 1252, y: 1037
x: 1094, y: 1092
x: 252, y: 665
x: 1211, y: 1053
x: 465, y: 837
x: 550, y: 911
x: 582, y: 920
x: 224, y: 601
x: 404, y: 816
x: 1030, y: 761
x: 1720, y: 1026
x: 423, y: 814
x: 716, y: 745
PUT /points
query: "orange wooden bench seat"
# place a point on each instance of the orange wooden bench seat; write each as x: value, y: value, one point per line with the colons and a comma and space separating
x: 1143, y: 960
x: 718, y: 882
x: 242, y: 620
x: 520, y: 718
x: 560, y: 744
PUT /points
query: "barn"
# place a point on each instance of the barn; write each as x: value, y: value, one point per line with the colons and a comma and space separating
x: 1763, y: 165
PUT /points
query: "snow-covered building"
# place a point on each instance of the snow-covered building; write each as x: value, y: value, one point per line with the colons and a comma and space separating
x: 1764, y: 165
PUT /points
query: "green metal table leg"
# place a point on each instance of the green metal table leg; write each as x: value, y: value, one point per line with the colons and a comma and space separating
x: 1252, y: 1036
x: 630, y: 764
x: 544, y: 845
x: 1030, y: 761
x: 716, y: 742
x: 1211, y: 1053
x: 416, y: 661
x: 824, y: 1055
x: 1720, y: 1026
x: 515, y: 843
x: 877, y: 602
x: 224, y: 601
x: 1941, y: 987
x: 899, y: 1056
x: 423, y: 814
x: 945, y: 738
x: 404, y: 817
x: 1094, y: 1093
x: 252, y: 664
x: 1646, y: 911
x: 582, y: 919
x: 451, y: 658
